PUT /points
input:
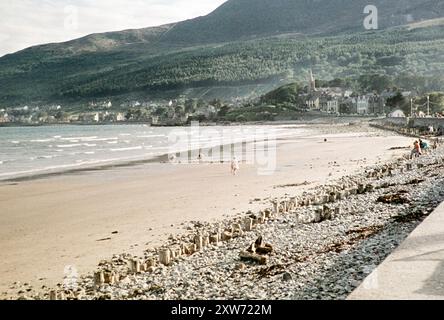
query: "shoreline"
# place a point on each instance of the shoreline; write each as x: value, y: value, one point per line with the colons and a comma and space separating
x: 162, y: 158
x: 309, y: 118
x: 244, y: 199
x: 156, y: 159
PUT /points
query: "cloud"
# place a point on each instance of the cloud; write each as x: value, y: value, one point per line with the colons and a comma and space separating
x: 25, y: 23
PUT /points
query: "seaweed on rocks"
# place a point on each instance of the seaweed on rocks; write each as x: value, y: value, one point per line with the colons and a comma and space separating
x: 398, y: 198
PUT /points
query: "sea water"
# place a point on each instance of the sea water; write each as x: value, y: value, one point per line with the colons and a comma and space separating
x: 28, y: 151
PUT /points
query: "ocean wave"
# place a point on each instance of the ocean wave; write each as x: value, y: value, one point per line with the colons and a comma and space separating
x: 126, y: 149
x: 80, y: 138
x: 43, y: 157
x: 103, y: 139
x: 15, y: 142
x: 42, y: 140
x: 69, y: 145
x: 153, y: 136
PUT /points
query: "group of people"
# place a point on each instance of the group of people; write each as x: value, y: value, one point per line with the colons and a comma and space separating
x: 420, y: 147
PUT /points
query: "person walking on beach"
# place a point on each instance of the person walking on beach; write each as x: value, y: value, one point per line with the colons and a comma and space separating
x: 234, y: 166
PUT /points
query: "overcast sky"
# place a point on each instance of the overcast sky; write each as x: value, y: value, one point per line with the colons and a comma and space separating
x: 24, y: 23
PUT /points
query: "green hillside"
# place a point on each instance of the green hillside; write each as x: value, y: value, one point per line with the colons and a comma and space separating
x: 237, y: 47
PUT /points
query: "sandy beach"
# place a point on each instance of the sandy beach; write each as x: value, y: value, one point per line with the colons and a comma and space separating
x: 77, y: 219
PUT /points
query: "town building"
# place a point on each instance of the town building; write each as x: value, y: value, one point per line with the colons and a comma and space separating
x: 4, y: 117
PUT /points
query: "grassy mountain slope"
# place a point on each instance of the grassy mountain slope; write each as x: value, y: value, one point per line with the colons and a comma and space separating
x: 242, y: 19
x: 244, y: 43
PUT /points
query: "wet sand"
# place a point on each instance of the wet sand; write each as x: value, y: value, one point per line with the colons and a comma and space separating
x: 65, y: 220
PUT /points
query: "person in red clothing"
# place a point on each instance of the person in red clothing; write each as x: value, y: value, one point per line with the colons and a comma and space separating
x: 416, y: 150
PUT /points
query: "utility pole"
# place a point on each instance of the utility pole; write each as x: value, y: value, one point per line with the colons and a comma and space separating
x: 428, y: 106
x: 411, y: 107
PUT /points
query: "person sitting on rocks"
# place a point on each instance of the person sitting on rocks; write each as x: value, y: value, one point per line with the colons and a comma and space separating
x: 416, y: 152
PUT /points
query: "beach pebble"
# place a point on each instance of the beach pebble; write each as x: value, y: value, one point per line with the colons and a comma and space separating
x: 318, y: 252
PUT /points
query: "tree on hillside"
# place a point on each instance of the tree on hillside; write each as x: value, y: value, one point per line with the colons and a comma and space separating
x: 60, y: 115
x: 375, y: 82
x: 399, y: 102
x: 436, y: 102
x: 223, y: 111
x: 190, y: 105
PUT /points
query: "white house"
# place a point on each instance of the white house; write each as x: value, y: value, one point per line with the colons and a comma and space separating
x: 333, y: 106
x: 397, y: 114
x: 90, y: 117
x: 362, y: 105
x: 329, y: 104
x: 120, y: 116
x: 4, y: 117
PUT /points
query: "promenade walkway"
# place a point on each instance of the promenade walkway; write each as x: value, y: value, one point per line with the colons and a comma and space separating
x: 415, y: 270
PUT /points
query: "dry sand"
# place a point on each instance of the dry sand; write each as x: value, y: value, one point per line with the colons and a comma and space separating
x: 54, y: 222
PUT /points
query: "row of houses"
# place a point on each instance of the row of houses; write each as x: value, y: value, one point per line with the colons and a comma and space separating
x: 338, y: 100
x: 4, y: 117
x: 89, y: 117
x: 94, y: 117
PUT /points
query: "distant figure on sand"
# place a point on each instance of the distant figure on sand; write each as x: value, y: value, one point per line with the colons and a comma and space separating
x: 431, y: 129
x: 435, y: 144
x: 234, y: 166
x: 416, y: 152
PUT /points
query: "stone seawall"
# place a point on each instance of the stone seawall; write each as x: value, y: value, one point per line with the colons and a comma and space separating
x: 412, y: 122
x: 412, y: 126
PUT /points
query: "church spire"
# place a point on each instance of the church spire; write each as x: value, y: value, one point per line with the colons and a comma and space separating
x: 311, y: 82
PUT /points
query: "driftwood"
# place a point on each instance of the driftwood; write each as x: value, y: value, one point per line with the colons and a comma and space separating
x: 266, y: 249
x: 253, y: 257
x: 226, y: 236
x: 259, y: 247
x: 393, y: 199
